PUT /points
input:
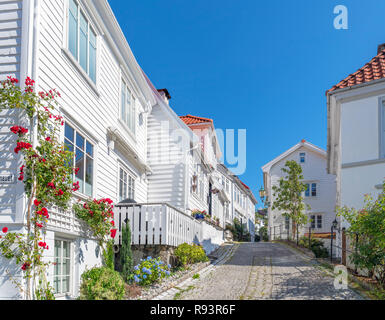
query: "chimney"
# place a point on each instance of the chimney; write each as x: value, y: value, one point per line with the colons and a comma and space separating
x: 380, y: 48
x: 165, y: 95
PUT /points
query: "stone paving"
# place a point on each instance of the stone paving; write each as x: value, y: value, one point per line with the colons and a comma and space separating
x: 257, y: 271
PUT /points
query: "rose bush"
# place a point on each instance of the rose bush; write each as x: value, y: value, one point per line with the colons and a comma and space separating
x: 46, y: 173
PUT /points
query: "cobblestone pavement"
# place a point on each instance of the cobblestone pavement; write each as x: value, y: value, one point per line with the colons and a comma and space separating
x: 259, y: 271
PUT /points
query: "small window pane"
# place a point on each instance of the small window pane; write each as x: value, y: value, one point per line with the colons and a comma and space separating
x: 314, y: 190
x: 89, y: 177
x: 69, y: 133
x: 73, y: 29
x: 83, y: 42
x: 80, y: 142
x: 307, y: 192
x: 90, y: 149
x: 80, y: 164
x: 92, y: 56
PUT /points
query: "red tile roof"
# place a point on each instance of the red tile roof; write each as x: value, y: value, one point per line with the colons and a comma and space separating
x: 245, y: 185
x: 189, y: 119
x: 371, y: 71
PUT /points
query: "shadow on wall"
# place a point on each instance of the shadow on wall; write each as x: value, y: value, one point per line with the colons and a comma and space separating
x: 9, y: 269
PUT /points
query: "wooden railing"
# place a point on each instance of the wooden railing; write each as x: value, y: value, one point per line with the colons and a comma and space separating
x: 158, y: 224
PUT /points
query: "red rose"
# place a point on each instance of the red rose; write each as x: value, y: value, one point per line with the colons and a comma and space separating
x: 44, y: 212
x: 48, y: 139
x: 37, y: 203
x: 113, y: 233
x: 5, y: 230
x: 51, y: 185
x: 113, y: 223
x: 39, y: 225
x: 21, y: 178
x: 25, y: 266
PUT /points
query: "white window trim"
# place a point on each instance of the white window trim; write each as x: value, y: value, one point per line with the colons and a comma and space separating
x: 73, y: 61
x: 70, y: 292
x: 78, y: 194
x: 123, y: 80
x: 130, y: 173
x: 310, y: 189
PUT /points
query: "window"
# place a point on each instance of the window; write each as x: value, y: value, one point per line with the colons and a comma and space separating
x: 319, y: 222
x: 83, y: 158
x: 307, y: 191
x: 62, y: 267
x: 287, y: 223
x: 126, y: 185
x: 302, y: 157
x: 202, y: 189
x: 311, y: 192
x: 81, y: 39
x: 312, y: 219
x: 128, y: 112
x: 313, y: 189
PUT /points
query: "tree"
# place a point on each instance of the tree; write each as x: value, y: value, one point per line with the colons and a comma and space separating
x: 288, y: 196
x: 126, y: 253
x: 368, y: 225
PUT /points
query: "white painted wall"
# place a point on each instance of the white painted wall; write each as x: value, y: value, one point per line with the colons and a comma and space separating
x: 314, y: 171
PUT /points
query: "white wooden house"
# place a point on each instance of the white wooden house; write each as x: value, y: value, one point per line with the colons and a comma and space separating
x: 356, y: 135
x: 113, y: 118
x: 241, y: 203
x: 320, y: 193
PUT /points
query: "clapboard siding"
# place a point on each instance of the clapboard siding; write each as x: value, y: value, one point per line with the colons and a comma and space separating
x: 10, y: 53
x: 10, y: 38
x: 94, y: 112
x: 167, y: 181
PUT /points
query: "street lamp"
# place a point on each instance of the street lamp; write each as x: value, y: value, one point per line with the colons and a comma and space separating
x: 334, y: 226
x: 262, y: 194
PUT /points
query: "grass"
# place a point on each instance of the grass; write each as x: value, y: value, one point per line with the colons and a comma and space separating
x: 181, y: 291
x: 196, y: 276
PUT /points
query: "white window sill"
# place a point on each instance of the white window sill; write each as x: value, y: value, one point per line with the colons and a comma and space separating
x: 79, y: 68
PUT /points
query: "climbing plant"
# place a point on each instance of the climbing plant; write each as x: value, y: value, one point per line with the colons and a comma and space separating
x: 46, y: 173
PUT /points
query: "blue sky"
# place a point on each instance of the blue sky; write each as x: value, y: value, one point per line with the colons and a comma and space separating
x: 263, y: 66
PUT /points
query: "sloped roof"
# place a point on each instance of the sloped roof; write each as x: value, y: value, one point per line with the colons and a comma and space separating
x: 189, y: 119
x: 373, y: 70
x: 303, y: 143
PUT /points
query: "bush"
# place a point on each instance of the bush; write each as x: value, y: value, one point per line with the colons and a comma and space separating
x: 150, y: 271
x: 101, y: 284
x: 263, y: 234
x: 190, y: 254
x: 126, y: 254
x: 317, y: 246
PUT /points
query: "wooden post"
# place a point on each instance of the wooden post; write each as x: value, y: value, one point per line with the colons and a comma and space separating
x: 343, y: 247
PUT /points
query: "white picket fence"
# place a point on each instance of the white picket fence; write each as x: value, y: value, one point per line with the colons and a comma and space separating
x: 162, y: 224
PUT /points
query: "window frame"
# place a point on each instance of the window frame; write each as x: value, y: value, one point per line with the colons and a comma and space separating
x: 302, y: 155
x: 319, y: 221
x: 133, y: 104
x: 130, y: 175
x: 313, y: 221
x: 70, y: 261
x: 90, y: 28
x: 93, y: 157
x: 308, y: 193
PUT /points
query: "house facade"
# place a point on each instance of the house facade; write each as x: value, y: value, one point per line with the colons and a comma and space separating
x: 320, y: 193
x: 130, y: 145
x: 241, y: 200
x: 356, y: 135
x: 78, y: 48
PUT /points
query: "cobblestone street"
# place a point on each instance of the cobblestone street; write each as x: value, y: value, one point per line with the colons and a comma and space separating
x: 263, y: 271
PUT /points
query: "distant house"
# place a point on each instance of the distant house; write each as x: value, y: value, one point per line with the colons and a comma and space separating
x: 242, y: 201
x: 320, y: 193
x: 356, y: 134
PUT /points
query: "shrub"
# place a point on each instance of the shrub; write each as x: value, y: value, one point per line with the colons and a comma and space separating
x: 317, y: 246
x: 126, y: 254
x: 102, y: 284
x: 263, y: 234
x: 150, y: 271
x: 190, y: 254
